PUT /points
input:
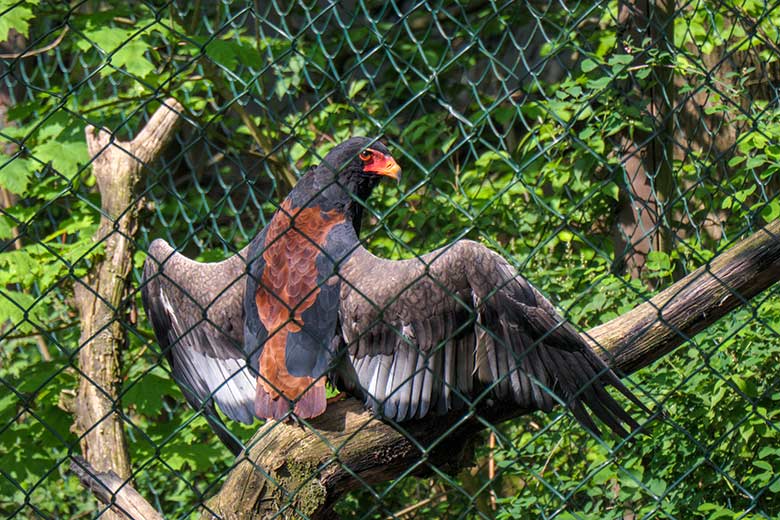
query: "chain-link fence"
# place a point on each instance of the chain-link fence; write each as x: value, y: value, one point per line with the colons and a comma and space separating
x: 606, y: 150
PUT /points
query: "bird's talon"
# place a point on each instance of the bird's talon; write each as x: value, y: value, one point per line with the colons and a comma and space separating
x: 336, y: 398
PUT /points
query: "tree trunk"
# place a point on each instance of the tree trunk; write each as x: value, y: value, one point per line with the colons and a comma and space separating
x: 646, y: 156
x: 99, y: 297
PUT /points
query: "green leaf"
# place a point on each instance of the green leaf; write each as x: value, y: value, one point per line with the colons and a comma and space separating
x: 586, y: 133
x: 762, y: 464
x: 15, y: 173
x: 621, y: 59
x: 657, y: 486
x: 599, y: 83
x: 132, y: 57
x: 612, y: 190
x: 355, y: 87
x: 588, y: 65
x: 768, y: 450
x: 19, y: 266
x: 146, y: 394
x: 21, y: 310
x: 771, y: 211
x: 658, y: 261
x: 756, y: 162
x: 230, y: 53
x: 6, y: 228
x: 66, y: 157
x: 565, y: 235
x: 124, y: 47
x: 17, y: 18
x: 714, y: 511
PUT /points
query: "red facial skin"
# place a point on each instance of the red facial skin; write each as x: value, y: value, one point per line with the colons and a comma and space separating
x: 380, y: 164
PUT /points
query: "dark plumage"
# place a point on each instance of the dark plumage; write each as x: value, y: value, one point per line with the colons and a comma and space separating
x: 409, y: 337
x: 195, y: 311
x: 292, y: 295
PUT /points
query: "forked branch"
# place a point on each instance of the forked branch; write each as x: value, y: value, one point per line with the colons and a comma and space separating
x: 99, y: 297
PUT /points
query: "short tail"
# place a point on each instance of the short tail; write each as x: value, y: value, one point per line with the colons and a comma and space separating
x: 311, y: 404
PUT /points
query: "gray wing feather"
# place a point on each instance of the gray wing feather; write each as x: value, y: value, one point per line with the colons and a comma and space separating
x: 195, y: 310
x: 415, y: 356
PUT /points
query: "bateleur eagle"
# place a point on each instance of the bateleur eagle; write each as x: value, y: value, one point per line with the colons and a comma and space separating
x: 408, y: 337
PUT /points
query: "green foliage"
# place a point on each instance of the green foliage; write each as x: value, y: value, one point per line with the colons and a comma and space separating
x: 15, y: 15
x: 510, y: 123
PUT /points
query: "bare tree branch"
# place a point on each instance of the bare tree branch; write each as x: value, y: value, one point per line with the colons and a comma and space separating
x: 113, y: 490
x: 99, y: 297
x: 29, y: 53
x: 653, y: 329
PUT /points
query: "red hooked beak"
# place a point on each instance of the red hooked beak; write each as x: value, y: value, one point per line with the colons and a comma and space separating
x: 380, y: 164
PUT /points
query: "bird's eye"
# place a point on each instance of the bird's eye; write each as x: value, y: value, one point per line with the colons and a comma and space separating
x: 365, y: 155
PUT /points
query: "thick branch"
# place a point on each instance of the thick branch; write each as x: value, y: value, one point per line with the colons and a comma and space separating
x: 300, y: 470
x: 113, y: 490
x: 99, y: 297
x: 655, y: 328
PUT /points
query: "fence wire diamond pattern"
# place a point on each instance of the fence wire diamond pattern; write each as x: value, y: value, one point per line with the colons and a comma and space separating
x: 605, y: 149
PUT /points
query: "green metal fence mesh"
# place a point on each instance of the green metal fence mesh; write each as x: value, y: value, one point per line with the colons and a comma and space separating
x: 606, y: 149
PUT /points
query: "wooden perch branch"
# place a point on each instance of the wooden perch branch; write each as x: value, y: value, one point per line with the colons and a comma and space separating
x: 113, y: 490
x: 655, y: 328
x: 99, y: 296
x: 292, y: 471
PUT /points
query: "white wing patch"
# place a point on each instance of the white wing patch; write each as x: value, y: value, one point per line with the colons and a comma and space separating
x: 227, y: 380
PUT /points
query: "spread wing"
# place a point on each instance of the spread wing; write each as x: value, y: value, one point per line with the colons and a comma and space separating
x: 195, y: 310
x: 459, y: 325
